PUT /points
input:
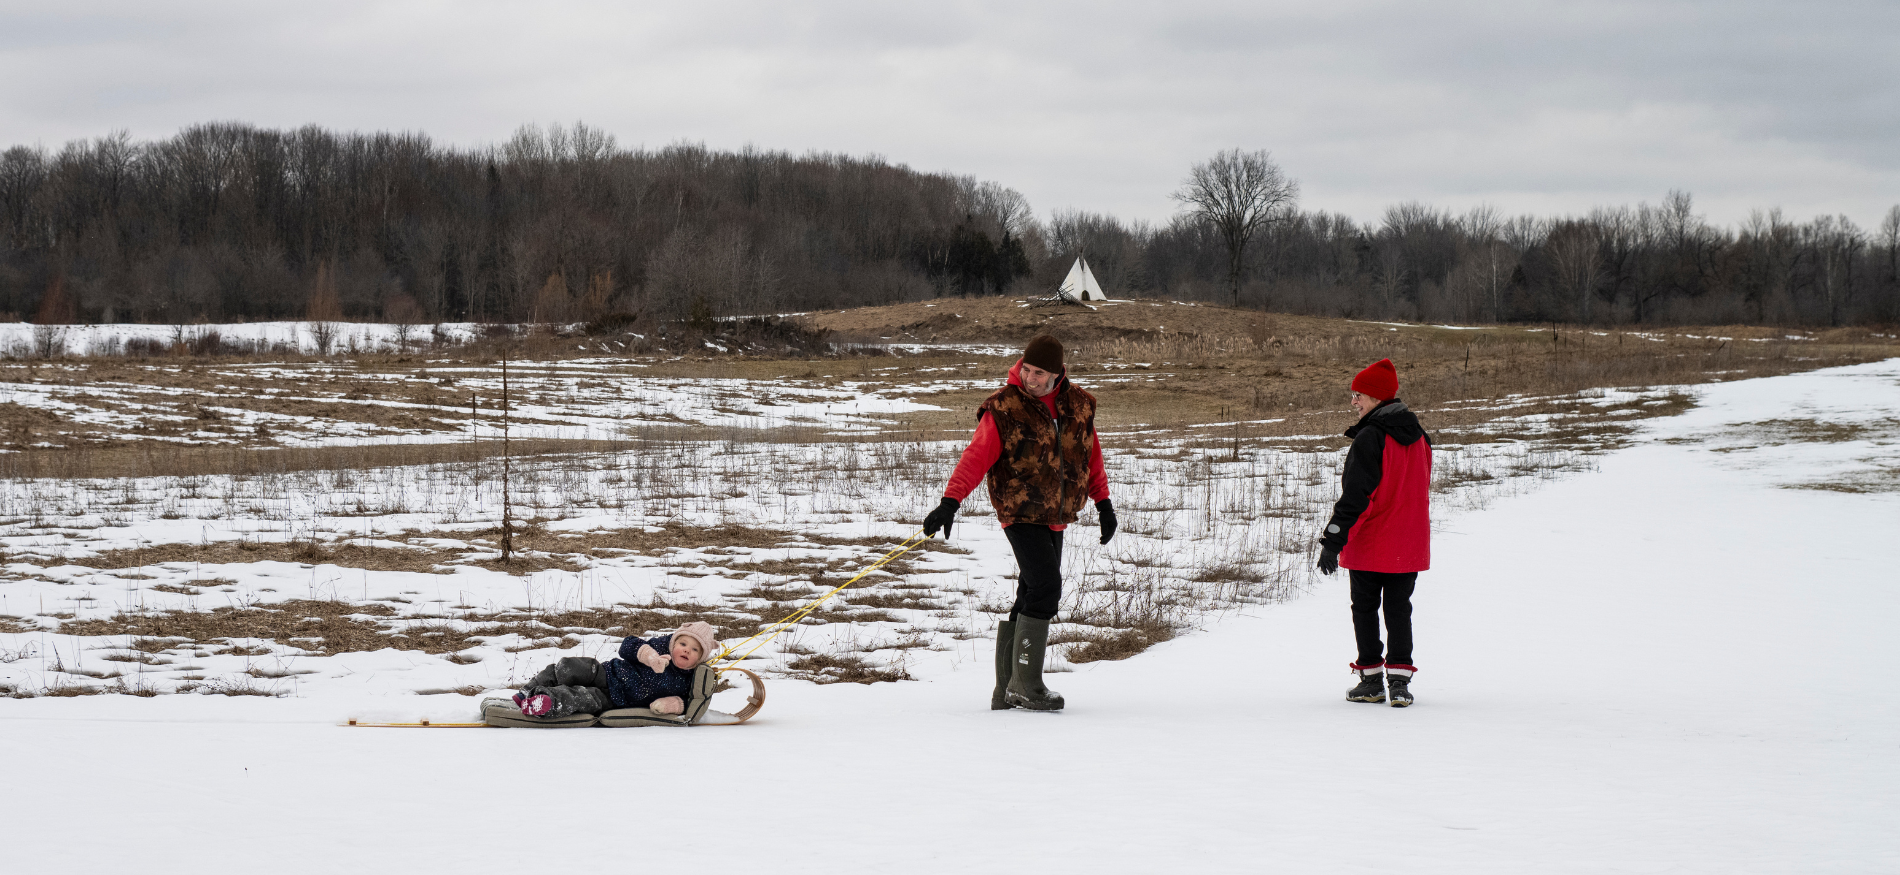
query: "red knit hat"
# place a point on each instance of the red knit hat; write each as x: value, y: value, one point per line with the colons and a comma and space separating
x: 1380, y: 381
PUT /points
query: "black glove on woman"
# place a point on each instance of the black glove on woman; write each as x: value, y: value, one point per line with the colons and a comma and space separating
x: 1328, y: 560
x: 943, y: 518
x: 1106, y: 510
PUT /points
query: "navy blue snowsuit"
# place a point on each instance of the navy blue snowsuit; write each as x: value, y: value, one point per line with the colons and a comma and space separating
x: 632, y: 685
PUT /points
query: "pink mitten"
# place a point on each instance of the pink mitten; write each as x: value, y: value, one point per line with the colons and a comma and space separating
x: 651, y: 658
x: 668, y: 705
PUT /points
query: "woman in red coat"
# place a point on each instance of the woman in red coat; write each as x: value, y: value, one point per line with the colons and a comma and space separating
x: 1381, y: 530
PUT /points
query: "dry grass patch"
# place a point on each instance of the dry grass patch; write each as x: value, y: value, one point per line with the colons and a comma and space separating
x: 332, y: 626
x: 1881, y: 479
x: 1099, y: 645
x: 303, y: 552
x: 904, y: 600
x: 151, y: 459
x: 848, y: 668
x: 1808, y: 430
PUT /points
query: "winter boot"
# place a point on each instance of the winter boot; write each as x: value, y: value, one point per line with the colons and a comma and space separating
x: 562, y: 701
x: 536, y: 705
x: 1025, y: 683
x: 1371, y: 686
x: 1401, y: 689
x: 1005, y: 648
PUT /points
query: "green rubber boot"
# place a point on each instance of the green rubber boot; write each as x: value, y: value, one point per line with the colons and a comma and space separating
x: 1005, y: 650
x: 1025, y: 683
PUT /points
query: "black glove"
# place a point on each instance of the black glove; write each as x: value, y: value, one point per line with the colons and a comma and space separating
x: 1328, y: 560
x: 943, y: 518
x: 1106, y: 510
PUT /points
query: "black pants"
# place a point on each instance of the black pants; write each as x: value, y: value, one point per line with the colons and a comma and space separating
x: 1039, y: 566
x: 1369, y: 589
x: 577, y: 684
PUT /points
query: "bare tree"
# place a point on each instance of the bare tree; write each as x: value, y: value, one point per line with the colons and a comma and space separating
x: 1837, y: 243
x: 1238, y: 193
x: 1575, y: 248
x: 1481, y: 227
x: 1890, y: 241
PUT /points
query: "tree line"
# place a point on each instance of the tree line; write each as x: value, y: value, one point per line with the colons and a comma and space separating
x: 226, y: 222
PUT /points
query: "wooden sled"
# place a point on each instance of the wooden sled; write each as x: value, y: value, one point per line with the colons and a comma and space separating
x: 503, y: 713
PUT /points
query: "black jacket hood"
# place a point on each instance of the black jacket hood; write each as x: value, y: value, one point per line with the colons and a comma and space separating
x: 1393, y: 418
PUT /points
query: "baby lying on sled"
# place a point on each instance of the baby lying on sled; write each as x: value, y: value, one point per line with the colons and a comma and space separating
x: 654, y: 673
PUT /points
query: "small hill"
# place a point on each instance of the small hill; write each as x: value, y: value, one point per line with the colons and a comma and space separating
x: 1015, y: 320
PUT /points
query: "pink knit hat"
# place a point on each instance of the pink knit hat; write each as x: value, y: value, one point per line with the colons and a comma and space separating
x: 704, y: 635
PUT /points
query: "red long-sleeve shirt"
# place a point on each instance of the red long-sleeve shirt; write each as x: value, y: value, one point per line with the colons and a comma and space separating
x: 986, y: 447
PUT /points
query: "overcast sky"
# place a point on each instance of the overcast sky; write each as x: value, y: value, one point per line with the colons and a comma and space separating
x: 1531, y: 107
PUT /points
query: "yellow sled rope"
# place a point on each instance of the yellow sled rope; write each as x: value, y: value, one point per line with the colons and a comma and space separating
x: 764, y: 636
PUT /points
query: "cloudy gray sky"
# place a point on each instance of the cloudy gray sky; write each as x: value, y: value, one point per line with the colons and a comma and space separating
x: 1529, y: 106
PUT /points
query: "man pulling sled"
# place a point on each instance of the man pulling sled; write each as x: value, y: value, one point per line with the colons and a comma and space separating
x: 1036, y: 446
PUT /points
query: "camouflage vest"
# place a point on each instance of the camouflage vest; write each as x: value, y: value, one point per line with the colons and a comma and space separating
x: 1041, y: 476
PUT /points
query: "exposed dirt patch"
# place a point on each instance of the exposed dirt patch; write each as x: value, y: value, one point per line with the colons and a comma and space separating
x: 331, y: 627
x: 1882, y: 478
x: 303, y: 552
x: 1111, y: 644
x: 847, y: 668
x: 1773, y: 432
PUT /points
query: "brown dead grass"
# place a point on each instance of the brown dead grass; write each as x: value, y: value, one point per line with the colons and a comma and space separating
x: 332, y: 627
x: 1182, y: 366
x: 1098, y: 645
x: 848, y: 668
x: 329, y: 627
x: 1155, y: 364
x: 303, y: 552
x: 147, y: 459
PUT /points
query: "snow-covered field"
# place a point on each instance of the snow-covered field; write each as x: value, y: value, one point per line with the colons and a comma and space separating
x: 1669, y: 662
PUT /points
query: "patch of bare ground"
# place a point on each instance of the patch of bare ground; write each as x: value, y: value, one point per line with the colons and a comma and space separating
x: 1860, y: 483
x: 332, y: 627
x: 1108, y: 643
x: 1163, y: 365
x: 11, y: 625
x: 1155, y: 364
x: 147, y: 459
x: 1773, y: 432
x: 889, y: 599
x: 644, y: 541
x: 301, y: 551
x: 842, y: 668
x: 326, y: 626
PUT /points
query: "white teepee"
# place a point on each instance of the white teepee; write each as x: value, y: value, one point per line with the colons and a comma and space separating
x: 1080, y: 285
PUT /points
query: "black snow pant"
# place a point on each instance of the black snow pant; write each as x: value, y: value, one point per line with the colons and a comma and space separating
x: 1369, y: 589
x: 1039, y: 570
x: 577, y: 684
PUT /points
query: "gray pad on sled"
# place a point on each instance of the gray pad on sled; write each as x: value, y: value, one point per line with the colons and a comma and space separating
x: 502, y: 712
x: 703, y: 680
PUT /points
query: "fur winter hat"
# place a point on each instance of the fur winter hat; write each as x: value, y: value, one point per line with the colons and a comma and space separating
x: 1044, y: 352
x: 702, y: 634
x: 1379, y: 380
